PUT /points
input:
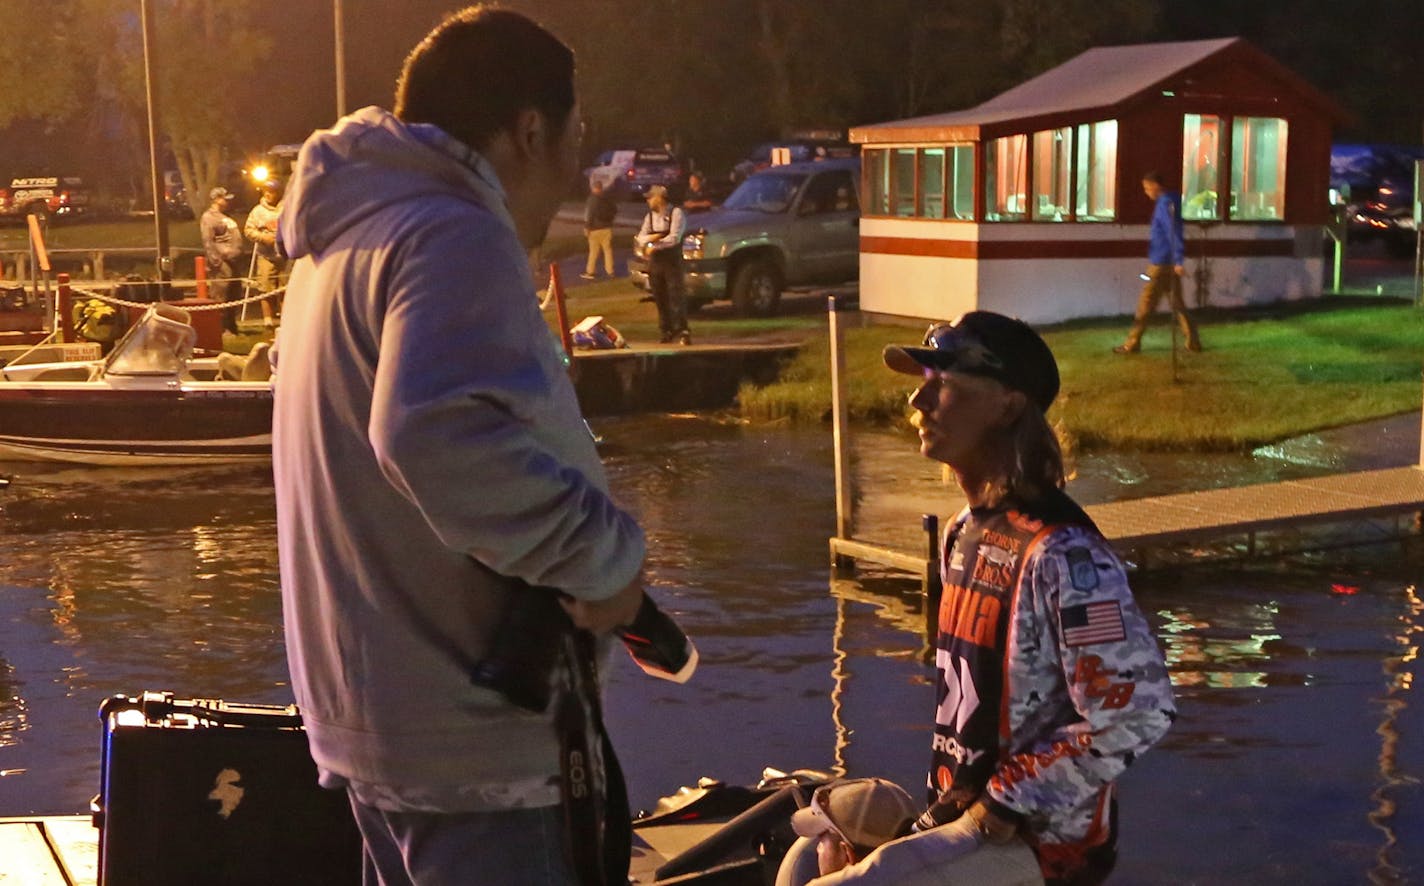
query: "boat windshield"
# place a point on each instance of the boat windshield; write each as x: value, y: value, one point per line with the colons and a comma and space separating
x: 160, y: 343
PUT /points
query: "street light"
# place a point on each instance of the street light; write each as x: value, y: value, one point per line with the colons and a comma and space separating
x: 160, y: 215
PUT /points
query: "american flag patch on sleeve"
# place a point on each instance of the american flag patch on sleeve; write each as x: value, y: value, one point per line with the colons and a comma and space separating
x: 1093, y: 623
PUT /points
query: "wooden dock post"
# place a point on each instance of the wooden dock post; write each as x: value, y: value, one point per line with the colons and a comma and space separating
x: 932, y: 586
x: 844, y: 494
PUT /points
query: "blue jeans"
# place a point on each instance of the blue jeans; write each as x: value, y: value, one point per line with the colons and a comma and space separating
x: 513, y: 847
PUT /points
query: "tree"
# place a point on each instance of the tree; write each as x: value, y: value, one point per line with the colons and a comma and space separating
x: 32, y: 85
x: 219, y: 43
x: 78, y: 66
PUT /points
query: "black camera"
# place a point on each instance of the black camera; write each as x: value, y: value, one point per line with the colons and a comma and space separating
x: 524, y: 649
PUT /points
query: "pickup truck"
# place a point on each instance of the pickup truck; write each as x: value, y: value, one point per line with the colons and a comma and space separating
x: 44, y: 196
x: 791, y: 225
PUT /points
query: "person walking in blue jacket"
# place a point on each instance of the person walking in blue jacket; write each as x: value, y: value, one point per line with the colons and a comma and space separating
x: 1165, y: 253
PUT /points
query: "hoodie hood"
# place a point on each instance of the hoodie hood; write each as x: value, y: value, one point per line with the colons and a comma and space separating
x: 370, y: 160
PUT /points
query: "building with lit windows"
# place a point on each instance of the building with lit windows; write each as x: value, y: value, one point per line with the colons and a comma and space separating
x: 1031, y: 204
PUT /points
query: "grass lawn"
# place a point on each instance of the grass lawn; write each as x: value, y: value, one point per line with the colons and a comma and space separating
x: 1264, y: 376
x: 618, y: 301
x: 134, y: 233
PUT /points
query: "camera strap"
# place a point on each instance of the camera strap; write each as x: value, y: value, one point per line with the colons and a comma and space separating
x: 596, y: 814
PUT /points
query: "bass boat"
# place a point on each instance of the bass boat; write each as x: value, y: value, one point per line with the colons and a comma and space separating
x: 149, y: 402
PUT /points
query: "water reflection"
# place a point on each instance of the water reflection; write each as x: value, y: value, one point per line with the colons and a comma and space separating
x: 1296, y: 757
x: 1394, y: 777
x: 12, y: 709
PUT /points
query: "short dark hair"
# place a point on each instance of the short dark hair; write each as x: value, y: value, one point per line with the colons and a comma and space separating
x: 479, y: 68
x: 1153, y: 176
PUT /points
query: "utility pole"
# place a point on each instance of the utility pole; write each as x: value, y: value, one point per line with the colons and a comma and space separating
x: 340, y: 60
x: 160, y: 210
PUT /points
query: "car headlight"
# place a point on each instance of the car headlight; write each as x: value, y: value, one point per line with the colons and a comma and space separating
x: 692, y: 244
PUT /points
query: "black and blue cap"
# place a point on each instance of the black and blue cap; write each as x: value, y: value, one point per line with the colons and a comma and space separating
x: 987, y: 344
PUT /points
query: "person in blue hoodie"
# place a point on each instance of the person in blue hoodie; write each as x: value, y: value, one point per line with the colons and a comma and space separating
x: 431, y: 464
x: 1166, y: 250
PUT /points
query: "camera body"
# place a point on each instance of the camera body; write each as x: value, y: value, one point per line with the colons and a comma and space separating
x: 526, y: 645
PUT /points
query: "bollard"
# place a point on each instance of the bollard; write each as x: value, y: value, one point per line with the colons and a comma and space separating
x: 64, y: 309
x: 200, y: 274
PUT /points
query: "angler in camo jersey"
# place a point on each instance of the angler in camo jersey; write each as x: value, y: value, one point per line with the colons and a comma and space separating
x: 1050, y: 681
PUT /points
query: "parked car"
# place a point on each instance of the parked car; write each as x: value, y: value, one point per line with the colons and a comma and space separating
x: 44, y: 196
x: 792, y: 150
x: 629, y: 172
x: 175, y: 196
x: 791, y: 225
x: 1376, y: 183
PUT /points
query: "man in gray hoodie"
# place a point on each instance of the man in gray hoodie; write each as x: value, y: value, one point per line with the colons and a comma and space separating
x: 431, y: 464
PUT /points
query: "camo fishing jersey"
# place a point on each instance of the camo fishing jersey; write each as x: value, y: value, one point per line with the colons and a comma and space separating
x: 1050, y: 681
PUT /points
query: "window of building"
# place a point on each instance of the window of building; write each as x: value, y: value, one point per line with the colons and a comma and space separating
x: 1005, y: 178
x: 1096, y: 169
x: 877, y: 181
x: 903, y: 181
x: 1052, y: 151
x: 931, y: 197
x: 1201, y: 164
x: 1258, y: 168
x: 961, y: 189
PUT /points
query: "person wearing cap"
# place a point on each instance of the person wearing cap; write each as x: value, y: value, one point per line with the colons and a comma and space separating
x: 1166, y: 250
x: 599, y: 214
x: 222, y: 246
x: 660, y: 239
x: 1049, y: 680
x: 844, y: 822
x: 261, y: 229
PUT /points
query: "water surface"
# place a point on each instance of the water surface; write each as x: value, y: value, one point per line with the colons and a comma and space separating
x: 1297, y: 757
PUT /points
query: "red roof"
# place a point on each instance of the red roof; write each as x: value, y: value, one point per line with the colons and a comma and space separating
x: 1088, y: 86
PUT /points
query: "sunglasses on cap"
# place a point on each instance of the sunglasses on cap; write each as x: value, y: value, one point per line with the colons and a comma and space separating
x: 956, y: 349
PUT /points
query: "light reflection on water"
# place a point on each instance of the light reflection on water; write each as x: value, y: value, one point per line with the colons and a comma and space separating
x: 1297, y: 756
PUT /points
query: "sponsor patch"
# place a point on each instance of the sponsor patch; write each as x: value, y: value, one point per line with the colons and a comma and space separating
x: 1082, y: 571
x: 1093, y: 623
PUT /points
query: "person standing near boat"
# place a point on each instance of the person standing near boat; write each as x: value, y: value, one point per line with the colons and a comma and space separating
x: 1049, y: 679
x: 222, y: 247
x: 432, y: 468
x: 261, y: 229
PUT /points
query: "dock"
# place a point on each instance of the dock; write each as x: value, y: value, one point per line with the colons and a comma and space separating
x: 1142, y: 528
x: 56, y: 850
x: 672, y: 378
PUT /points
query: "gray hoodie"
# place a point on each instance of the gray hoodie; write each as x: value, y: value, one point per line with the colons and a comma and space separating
x: 427, y: 446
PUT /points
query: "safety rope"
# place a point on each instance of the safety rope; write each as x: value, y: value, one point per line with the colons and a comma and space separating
x: 215, y: 306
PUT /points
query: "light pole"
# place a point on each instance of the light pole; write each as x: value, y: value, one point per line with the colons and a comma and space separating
x: 340, y: 60
x: 160, y: 214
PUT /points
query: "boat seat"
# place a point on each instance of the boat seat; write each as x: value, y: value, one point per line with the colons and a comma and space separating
x: 254, y: 367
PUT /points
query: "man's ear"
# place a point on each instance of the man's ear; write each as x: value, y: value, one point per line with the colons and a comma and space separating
x: 530, y: 133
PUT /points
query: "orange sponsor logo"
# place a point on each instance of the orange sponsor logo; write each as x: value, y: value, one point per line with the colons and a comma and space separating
x: 970, y: 616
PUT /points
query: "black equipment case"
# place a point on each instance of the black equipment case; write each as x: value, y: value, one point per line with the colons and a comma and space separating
x: 204, y: 791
